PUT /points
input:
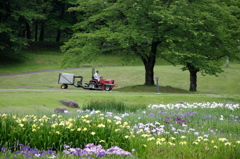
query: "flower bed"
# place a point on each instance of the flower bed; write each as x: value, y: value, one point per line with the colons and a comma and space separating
x: 183, y: 130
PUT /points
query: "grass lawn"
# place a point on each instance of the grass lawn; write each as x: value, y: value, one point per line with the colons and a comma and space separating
x: 38, y: 100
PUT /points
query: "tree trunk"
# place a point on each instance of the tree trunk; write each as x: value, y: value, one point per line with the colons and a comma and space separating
x: 36, y: 30
x: 41, y: 37
x: 58, y: 35
x: 28, y: 31
x: 149, y: 63
x: 22, y: 33
x: 149, y: 73
x: 193, y: 77
x: 62, y: 6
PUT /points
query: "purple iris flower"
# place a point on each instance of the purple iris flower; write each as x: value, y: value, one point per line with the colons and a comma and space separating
x: 151, y: 114
x: 66, y: 146
x: 26, y: 148
x: 160, y: 111
x: 3, y: 149
x: 166, y: 121
x: 101, y: 154
x: 90, y: 145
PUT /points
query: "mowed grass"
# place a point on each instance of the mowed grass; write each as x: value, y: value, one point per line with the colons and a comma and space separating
x: 41, y: 91
x: 131, y: 79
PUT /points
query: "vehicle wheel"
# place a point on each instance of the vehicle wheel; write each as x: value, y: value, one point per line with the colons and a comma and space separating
x: 107, y: 88
x: 64, y: 86
x: 92, y: 85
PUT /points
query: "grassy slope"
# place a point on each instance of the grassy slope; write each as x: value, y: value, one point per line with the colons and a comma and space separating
x: 34, y: 61
x: 224, y: 88
x: 48, y: 60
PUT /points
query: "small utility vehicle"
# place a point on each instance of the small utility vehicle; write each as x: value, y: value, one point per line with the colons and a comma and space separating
x: 66, y: 79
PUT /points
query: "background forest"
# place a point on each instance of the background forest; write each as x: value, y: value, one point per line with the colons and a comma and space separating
x: 27, y: 21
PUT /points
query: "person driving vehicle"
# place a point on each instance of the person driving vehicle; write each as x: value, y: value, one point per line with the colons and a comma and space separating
x: 96, y: 76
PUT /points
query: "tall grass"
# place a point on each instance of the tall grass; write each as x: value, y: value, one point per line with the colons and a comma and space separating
x: 113, y: 105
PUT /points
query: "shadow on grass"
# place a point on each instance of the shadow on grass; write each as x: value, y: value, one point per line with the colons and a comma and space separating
x: 142, y: 88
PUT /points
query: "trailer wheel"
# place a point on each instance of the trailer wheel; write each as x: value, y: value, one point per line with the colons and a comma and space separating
x: 64, y: 86
x: 107, y: 88
x: 92, y: 85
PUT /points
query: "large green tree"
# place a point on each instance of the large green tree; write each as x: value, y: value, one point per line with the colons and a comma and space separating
x: 149, y: 28
x: 209, y: 34
x: 206, y: 34
x: 112, y: 26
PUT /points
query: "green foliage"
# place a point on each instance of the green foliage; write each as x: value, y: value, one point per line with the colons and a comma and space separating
x: 20, y: 20
x: 14, y: 16
x: 105, y: 105
x: 11, y: 46
x: 112, y: 106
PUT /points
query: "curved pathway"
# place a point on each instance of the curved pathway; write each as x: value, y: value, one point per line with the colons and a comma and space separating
x: 32, y: 72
